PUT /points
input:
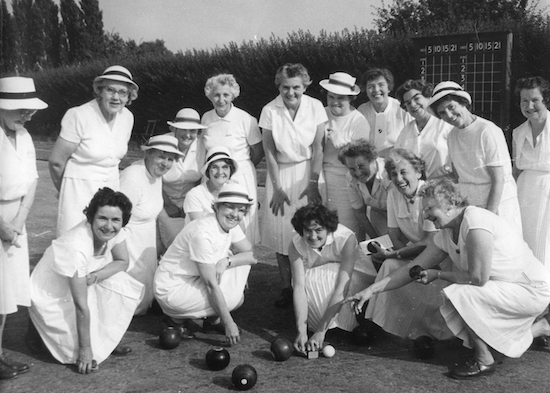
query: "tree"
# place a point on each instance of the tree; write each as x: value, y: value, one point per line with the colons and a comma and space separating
x: 22, y: 10
x: 7, y: 43
x: 74, y: 29
x: 92, y: 17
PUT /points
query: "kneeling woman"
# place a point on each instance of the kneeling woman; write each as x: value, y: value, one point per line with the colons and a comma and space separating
x: 196, y: 278
x: 82, y: 299
x: 323, y: 256
x: 497, y: 287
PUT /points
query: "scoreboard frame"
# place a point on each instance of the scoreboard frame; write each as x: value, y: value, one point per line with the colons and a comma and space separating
x: 479, y: 62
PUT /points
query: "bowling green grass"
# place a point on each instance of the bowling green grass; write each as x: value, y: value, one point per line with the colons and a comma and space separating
x: 387, y: 365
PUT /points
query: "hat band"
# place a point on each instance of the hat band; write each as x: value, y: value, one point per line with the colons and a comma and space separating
x: 448, y: 89
x: 119, y: 73
x: 229, y: 194
x: 17, y: 96
x: 187, y: 119
x: 156, y: 144
x: 336, y: 82
x: 218, y: 153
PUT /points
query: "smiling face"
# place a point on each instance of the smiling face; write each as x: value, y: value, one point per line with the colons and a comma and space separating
x: 219, y: 173
x: 113, y: 97
x: 291, y: 90
x: 159, y: 162
x: 339, y: 105
x: 405, y: 177
x: 221, y: 98
x: 14, y: 120
x: 106, y: 224
x: 377, y: 92
x: 416, y: 104
x: 185, y: 137
x: 229, y: 215
x: 315, y: 235
x: 454, y: 113
x: 434, y: 212
x: 532, y: 105
x: 360, y: 168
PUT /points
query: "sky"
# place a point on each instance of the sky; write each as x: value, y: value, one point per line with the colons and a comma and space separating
x: 205, y: 24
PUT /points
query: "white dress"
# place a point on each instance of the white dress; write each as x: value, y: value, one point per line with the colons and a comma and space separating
x: 534, y: 187
x: 430, y: 144
x: 502, y: 311
x: 111, y: 302
x: 293, y: 140
x: 179, y: 288
x: 376, y: 200
x: 198, y: 200
x: 339, y: 131
x: 17, y: 173
x: 412, y: 310
x: 385, y: 126
x: 237, y: 131
x: 321, y: 273
x: 145, y: 193
x: 471, y: 151
x: 94, y: 164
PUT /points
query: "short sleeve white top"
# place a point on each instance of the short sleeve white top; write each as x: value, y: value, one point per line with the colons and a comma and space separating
x: 530, y: 156
x: 293, y: 138
x: 199, y: 199
x: 17, y: 165
x: 359, y: 194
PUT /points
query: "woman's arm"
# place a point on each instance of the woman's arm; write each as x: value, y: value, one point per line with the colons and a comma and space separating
x: 256, y: 153
x: 59, y: 156
x: 279, y: 197
x: 79, y: 292
x: 299, y: 298
x: 195, y: 215
x: 171, y: 209
x: 9, y: 231
x: 515, y: 170
x: 364, y: 222
x: 497, y: 186
x: 312, y: 188
x: 120, y: 263
x: 242, y: 255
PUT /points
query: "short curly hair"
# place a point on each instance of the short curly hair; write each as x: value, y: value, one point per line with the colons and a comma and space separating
x: 292, y: 70
x: 358, y: 147
x: 445, y: 191
x: 397, y: 154
x: 107, y: 197
x: 222, y: 79
x: 534, y: 82
x: 320, y: 214
x: 374, y: 73
x: 425, y: 88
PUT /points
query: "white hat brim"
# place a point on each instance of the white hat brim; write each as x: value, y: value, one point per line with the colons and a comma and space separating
x: 340, y: 90
x: 442, y: 94
x: 186, y: 125
x: 166, y: 149
x: 26, y: 103
x: 235, y: 199
x: 118, y: 78
x: 217, y: 158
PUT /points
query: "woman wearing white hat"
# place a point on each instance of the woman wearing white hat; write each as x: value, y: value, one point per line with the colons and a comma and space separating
x: 196, y: 278
x: 218, y: 169
x: 183, y: 176
x: 93, y: 139
x: 478, y: 154
x: 235, y: 129
x: 345, y: 124
x: 18, y: 179
x: 141, y: 182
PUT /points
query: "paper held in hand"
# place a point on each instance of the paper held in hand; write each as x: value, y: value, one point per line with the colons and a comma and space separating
x: 384, y: 241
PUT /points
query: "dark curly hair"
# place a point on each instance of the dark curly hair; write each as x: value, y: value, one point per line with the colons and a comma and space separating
x: 358, y: 147
x: 374, y: 73
x: 534, y: 82
x: 320, y: 214
x: 417, y: 84
x: 396, y: 155
x: 227, y: 161
x: 450, y: 97
x: 107, y: 197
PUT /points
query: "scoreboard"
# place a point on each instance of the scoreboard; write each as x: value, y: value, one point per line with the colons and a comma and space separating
x: 479, y: 62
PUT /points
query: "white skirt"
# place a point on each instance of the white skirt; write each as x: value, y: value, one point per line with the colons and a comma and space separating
x: 410, y: 311
x: 187, y: 297
x: 319, y: 284
x: 246, y: 176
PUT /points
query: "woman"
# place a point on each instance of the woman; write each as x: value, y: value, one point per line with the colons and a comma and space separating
x: 293, y: 127
x: 218, y: 169
x: 531, y: 148
x: 478, y: 154
x: 82, y: 299
x: 345, y: 124
x: 411, y: 311
x: 426, y: 135
x: 497, y: 287
x: 182, y: 177
x: 142, y: 183
x: 197, y: 278
x: 93, y: 139
x: 368, y: 185
x: 235, y: 129
x: 18, y: 179
x: 323, y: 257
x: 384, y: 114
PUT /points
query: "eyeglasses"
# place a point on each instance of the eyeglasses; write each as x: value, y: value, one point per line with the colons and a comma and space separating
x: 27, y: 112
x: 121, y: 93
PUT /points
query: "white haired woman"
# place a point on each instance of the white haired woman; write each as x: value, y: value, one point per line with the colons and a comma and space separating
x: 93, y: 139
x: 235, y: 129
x: 18, y: 179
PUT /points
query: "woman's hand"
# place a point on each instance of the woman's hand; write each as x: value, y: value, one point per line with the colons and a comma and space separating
x: 221, y: 266
x: 84, y: 362
x: 173, y: 211
x: 9, y: 233
x: 232, y: 335
x: 278, y: 202
x: 427, y: 276
x: 358, y: 300
x: 315, y: 343
x: 91, y: 279
x: 300, y: 343
x: 312, y: 193
x: 380, y: 255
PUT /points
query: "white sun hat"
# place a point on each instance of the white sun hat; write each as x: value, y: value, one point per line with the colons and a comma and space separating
x: 187, y: 119
x: 17, y: 92
x: 218, y: 153
x: 234, y: 193
x: 341, y: 83
x: 446, y: 88
x: 165, y: 143
x: 117, y: 73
